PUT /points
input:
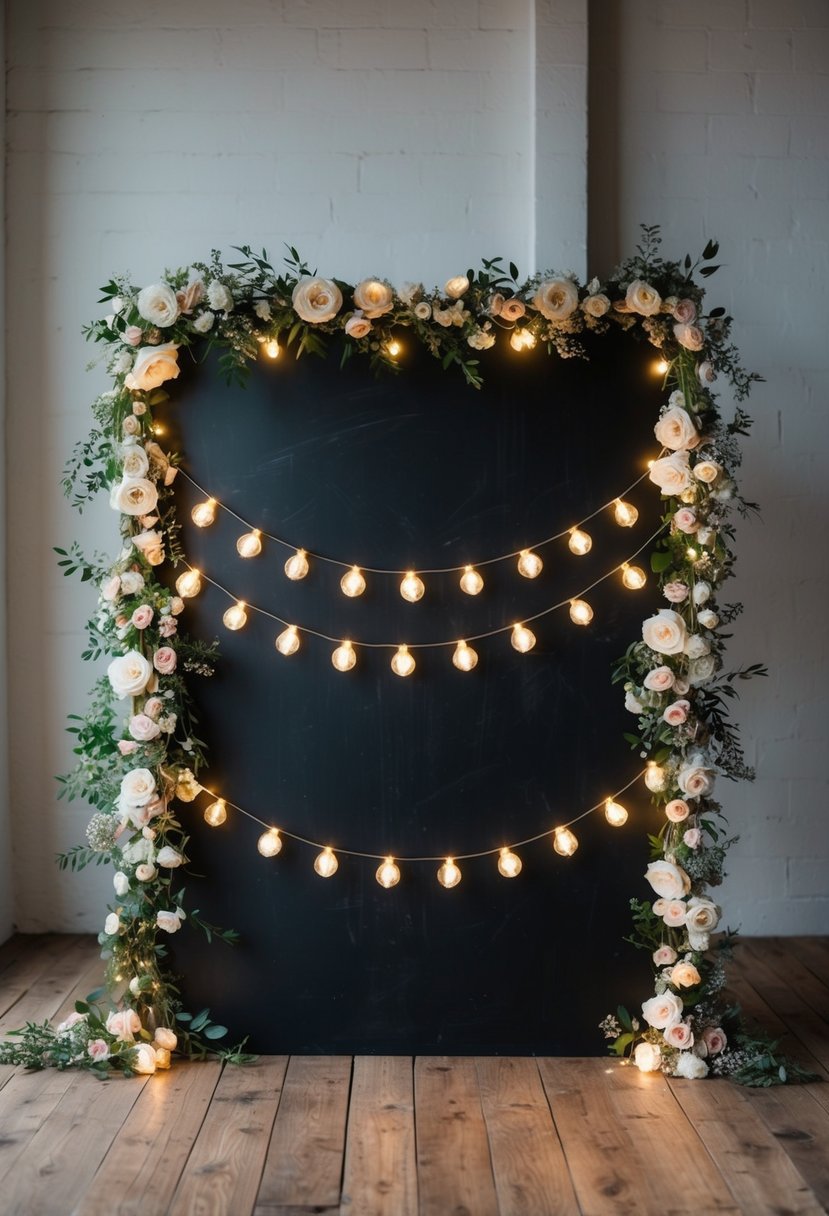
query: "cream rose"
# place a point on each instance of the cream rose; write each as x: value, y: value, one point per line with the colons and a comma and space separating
x: 143, y: 729
x: 373, y: 298
x: 701, y: 914
x: 136, y: 461
x: 316, y: 300
x: 480, y: 339
x: 701, y: 593
x: 692, y: 838
x: 132, y: 582
x: 169, y: 858
x: 662, y: 1011
x: 129, y: 674
x: 642, y: 298
x: 671, y: 473
x: 124, y: 1024
x: 696, y: 646
x: 513, y: 309
x: 694, y: 779
x: 685, y: 310
x: 423, y: 310
x: 707, y: 471
x: 675, y: 592
x: 166, y: 1038
x: 708, y: 619
x: 134, y: 496
x: 632, y: 703
x: 679, y: 1035
x: 170, y: 922
x: 145, y: 872
x: 701, y: 670
x: 664, y: 956
x: 685, y: 975
x: 556, y: 299
x: 158, y: 305
x: 706, y: 373
x: 596, y: 306
x: 357, y: 326
x: 677, y: 713
x: 668, y: 879
x: 677, y: 810
x: 162, y: 1057
x: 153, y: 365
x: 137, y: 787
x: 690, y: 1066
x: 203, y: 323
x: 647, y: 1057
x: 665, y: 632
x: 454, y: 288
x: 660, y: 679
x: 673, y: 914
x: 142, y: 1059
x: 689, y: 336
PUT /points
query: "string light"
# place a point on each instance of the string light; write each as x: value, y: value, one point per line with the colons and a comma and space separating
x: 580, y: 542
x: 353, y: 583
x: 204, y: 513
x: 633, y: 577
x: 388, y: 873
x: 692, y: 554
x: 216, y: 813
x: 288, y: 641
x: 188, y: 584
x: 235, y: 617
x: 523, y: 639
x: 661, y: 367
x: 344, y: 657
x: 270, y: 843
x: 272, y: 349
x: 394, y: 348
x: 250, y: 545
x: 580, y: 612
x: 326, y: 864
x: 449, y: 875
x: 565, y: 842
x: 529, y: 564
x: 464, y: 657
x: 655, y: 777
x: 615, y: 814
x: 625, y: 513
x: 412, y: 587
x: 403, y: 663
x: 509, y: 864
x: 296, y: 567
x: 522, y: 339
x: 471, y: 581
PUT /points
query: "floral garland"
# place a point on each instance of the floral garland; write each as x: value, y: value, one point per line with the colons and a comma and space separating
x: 132, y: 769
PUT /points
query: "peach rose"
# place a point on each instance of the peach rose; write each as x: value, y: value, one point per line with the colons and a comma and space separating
x: 677, y: 810
x: 357, y: 326
x: 671, y: 473
x: 674, y: 913
x: 676, y: 430
x: 316, y: 300
x: 664, y: 956
x: 668, y: 879
x: 373, y: 298
x: 665, y: 632
x: 153, y: 365
x: 660, y: 679
x: 677, y: 713
x: 556, y: 299
x: 685, y: 975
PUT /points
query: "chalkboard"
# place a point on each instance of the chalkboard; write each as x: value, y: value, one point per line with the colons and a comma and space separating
x: 417, y: 469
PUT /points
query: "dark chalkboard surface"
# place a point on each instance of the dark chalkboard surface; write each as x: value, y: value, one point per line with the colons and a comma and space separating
x: 418, y: 469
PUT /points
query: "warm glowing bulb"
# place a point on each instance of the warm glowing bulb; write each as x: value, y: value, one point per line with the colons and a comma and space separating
x: 471, y: 581
x: 625, y: 513
x: 296, y: 567
x: 449, y: 874
x: 403, y: 663
x: 615, y: 813
x: 692, y: 555
x: 272, y: 349
x: 344, y: 657
x: 580, y: 612
x: 250, y: 545
x: 655, y: 777
x: 509, y: 864
x: 326, y: 863
x: 564, y: 842
x: 388, y: 873
x: 580, y: 542
x: 288, y: 641
x: 529, y: 564
x: 661, y: 367
x: 412, y: 588
x: 204, y: 513
x: 522, y: 339
x: 464, y: 657
x: 633, y: 577
x: 394, y: 348
x: 352, y: 582
x: 216, y: 813
x: 269, y: 843
x: 523, y: 639
x: 188, y: 584
x: 235, y: 617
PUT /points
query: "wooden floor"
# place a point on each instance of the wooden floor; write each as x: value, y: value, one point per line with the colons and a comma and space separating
x: 434, y: 1136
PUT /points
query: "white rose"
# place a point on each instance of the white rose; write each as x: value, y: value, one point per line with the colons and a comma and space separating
x: 671, y: 473
x: 702, y: 915
x: 137, y: 787
x: 153, y: 365
x: 204, y: 322
x: 707, y: 471
x: 481, y: 340
x: 166, y: 1038
x: 667, y: 879
x: 134, y: 496
x: 129, y: 674
x: 132, y: 582
x: 373, y: 298
x: 158, y: 304
x: 263, y: 310
x: 409, y: 291
x: 597, y: 306
x: 647, y: 1057
x: 170, y: 922
x: 642, y: 298
x: 168, y: 857
x: 112, y: 924
x: 701, y: 593
x: 665, y: 632
x: 690, y: 1066
x: 138, y: 852
x: 557, y: 299
x: 316, y: 300
x: 702, y: 669
x: 695, y: 780
x: 142, y: 1059
x: 145, y: 872
x: 662, y: 1011
x: 676, y: 430
x: 121, y: 883
x: 632, y: 704
x: 423, y: 310
x: 136, y: 461
x: 697, y: 646
x: 708, y: 619
x: 454, y: 288
x: 219, y: 297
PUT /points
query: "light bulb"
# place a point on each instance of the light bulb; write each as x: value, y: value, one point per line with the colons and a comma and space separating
x: 580, y: 612
x: 272, y: 349
x: 625, y: 513
x: 326, y: 863
x: 352, y: 582
x: 449, y: 874
x: 529, y: 564
x: 403, y: 663
x: 394, y: 348
x: 412, y: 588
x: 564, y: 842
x: 633, y: 577
x: 216, y: 813
x: 235, y: 617
x: 388, y: 873
x: 269, y: 843
x: 188, y: 584
x: 523, y: 639
x: 615, y: 813
x: 580, y: 542
x: 250, y: 545
x: 522, y: 339
x: 471, y: 581
x: 692, y: 554
x: 296, y: 567
x: 204, y: 513
x: 464, y: 657
x: 655, y: 777
x: 660, y: 367
x: 288, y: 641
x: 344, y: 657
x: 509, y: 864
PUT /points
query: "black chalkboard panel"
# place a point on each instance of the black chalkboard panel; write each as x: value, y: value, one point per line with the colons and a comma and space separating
x: 417, y: 470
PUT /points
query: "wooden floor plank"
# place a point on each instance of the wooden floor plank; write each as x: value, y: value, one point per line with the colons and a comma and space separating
x: 759, y: 1173
x: 781, y: 959
x: 222, y: 1174
x: 141, y: 1171
x: 528, y: 1163
x: 380, y: 1174
x: 799, y: 1018
x: 800, y: 1124
x: 620, y: 1130
x: 33, y: 986
x: 24, y: 947
x: 813, y: 952
x: 454, y: 1170
x: 304, y: 1165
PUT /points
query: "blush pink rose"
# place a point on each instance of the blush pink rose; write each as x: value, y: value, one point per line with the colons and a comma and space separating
x: 686, y: 520
x: 127, y: 746
x: 675, y: 592
x: 664, y: 956
x: 659, y: 680
x: 714, y: 1039
x: 513, y: 310
x: 679, y: 1035
x: 167, y: 626
x: 685, y: 311
x: 164, y: 660
x: 133, y: 335
x: 142, y: 728
x: 689, y: 336
x: 153, y: 707
x: 124, y: 1024
x: 693, y: 838
x: 677, y: 713
x: 677, y: 809
x: 674, y: 913
x: 98, y: 1049
x: 142, y: 616
x: 358, y: 326
x: 110, y: 589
